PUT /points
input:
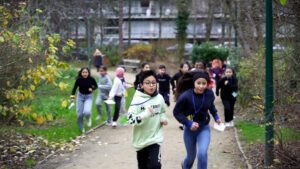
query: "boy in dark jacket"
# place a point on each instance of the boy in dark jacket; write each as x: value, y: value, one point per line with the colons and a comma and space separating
x: 164, y: 84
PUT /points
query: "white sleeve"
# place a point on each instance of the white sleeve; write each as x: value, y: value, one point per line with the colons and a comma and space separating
x: 115, y: 87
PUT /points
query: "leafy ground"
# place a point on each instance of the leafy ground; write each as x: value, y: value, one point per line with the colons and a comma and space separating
x: 24, y: 146
x: 286, y: 149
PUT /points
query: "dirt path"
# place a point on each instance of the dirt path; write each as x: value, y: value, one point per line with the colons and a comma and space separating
x: 108, y: 148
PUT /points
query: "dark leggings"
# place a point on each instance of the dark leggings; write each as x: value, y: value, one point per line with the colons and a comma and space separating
x: 149, y: 157
x: 117, y: 107
x: 228, y: 109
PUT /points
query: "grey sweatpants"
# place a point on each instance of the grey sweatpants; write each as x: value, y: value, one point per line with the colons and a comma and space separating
x: 99, y: 100
x: 83, y: 107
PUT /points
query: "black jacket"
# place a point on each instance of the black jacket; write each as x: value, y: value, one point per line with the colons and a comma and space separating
x: 227, y: 89
x: 175, y: 79
x: 164, y: 82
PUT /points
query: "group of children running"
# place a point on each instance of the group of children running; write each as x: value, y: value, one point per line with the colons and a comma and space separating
x: 194, y: 96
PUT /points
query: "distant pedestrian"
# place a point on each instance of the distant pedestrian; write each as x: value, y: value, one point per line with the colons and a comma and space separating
x: 104, y: 86
x: 117, y: 93
x: 164, y: 84
x: 98, y: 59
x: 217, y: 70
x: 87, y: 84
x: 184, y: 67
x: 199, y: 65
x: 145, y: 66
x: 229, y: 87
x: 147, y: 114
x: 194, y: 100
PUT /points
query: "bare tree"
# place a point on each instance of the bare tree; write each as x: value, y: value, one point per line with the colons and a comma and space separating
x: 121, y: 5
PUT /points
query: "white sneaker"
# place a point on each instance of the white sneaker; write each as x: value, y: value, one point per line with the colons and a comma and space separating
x: 82, y: 130
x: 98, y: 117
x: 108, y: 123
x: 114, y: 124
x: 232, y: 124
x: 89, y: 123
x: 227, y: 124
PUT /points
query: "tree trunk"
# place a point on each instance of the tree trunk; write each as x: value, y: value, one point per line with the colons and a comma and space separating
x: 129, y: 22
x: 208, y: 24
x: 194, y: 22
x: 223, y: 20
x: 160, y: 21
x: 121, y: 5
x: 101, y: 24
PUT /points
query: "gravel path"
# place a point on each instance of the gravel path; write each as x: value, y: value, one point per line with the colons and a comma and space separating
x: 108, y: 148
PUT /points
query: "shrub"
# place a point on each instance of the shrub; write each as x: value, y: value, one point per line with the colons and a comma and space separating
x: 112, y: 53
x: 208, y: 52
x: 142, y: 52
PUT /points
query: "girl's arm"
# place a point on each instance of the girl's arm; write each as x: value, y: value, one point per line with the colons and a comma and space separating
x: 75, y: 87
x: 106, y: 86
x: 135, y: 117
x: 234, y: 85
x: 94, y: 84
x: 172, y: 81
x: 114, y: 88
x: 179, y: 108
x: 136, y: 82
x: 219, y: 86
x: 212, y: 109
x: 163, y: 116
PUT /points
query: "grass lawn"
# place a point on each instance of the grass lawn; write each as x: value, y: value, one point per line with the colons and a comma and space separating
x: 64, y: 126
x: 255, y: 133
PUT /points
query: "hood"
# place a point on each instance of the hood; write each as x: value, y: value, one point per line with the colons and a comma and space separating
x: 140, y: 97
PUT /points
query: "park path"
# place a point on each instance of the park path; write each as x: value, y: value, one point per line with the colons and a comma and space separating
x: 107, y: 148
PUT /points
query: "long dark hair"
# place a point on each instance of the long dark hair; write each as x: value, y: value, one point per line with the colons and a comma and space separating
x: 186, y: 82
x: 80, y: 71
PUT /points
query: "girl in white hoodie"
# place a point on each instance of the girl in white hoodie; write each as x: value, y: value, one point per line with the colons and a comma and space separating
x: 117, y: 92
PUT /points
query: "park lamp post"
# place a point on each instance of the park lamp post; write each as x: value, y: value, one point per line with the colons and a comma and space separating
x: 269, y: 98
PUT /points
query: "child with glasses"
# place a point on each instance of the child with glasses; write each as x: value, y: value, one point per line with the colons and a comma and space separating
x: 147, y: 114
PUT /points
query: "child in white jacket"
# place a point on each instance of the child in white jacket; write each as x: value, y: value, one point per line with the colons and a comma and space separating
x: 147, y: 114
x: 117, y: 92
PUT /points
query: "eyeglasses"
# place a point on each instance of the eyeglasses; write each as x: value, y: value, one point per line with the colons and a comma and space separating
x: 148, y: 83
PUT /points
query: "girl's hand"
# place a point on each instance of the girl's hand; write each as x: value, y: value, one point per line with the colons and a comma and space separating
x: 72, y: 98
x: 194, y: 126
x: 151, y: 110
x: 90, y: 89
x: 164, y: 122
x: 219, y: 121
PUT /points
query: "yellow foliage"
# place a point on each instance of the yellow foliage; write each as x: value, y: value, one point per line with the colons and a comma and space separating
x: 34, y: 116
x: 21, y: 123
x: 62, y: 85
x: 49, y: 117
x: 257, y: 97
x: 2, y: 39
x: 32, y: 87
x: 40, y: 119
x: 140, y: 51
x: 25, y: 110
x: 29, y: 60
x: 64, y: 103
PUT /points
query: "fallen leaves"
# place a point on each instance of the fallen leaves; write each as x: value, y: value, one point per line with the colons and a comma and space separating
x: 24, y: 151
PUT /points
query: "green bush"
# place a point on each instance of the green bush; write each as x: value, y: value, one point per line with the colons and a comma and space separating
x: 208, y: 52
x: 112, y: 53
x: 142, y: 52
